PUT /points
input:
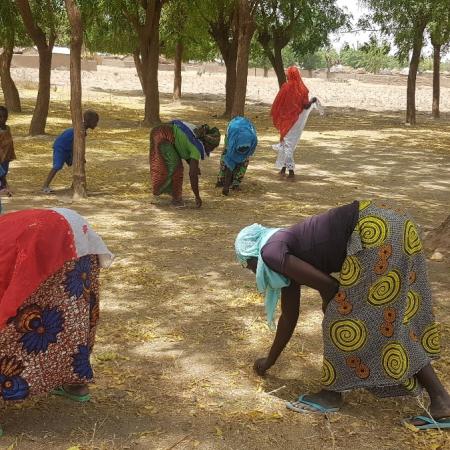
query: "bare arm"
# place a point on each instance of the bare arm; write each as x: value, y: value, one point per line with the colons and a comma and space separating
x: 194, y: 171
x: 290, y: 307
x: 304, y: 273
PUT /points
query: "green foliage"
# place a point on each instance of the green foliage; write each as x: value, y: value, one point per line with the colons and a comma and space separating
x: 403, y: 20
x: 317, y: 19
x: 439, y: 27
x: 371, y: 56
x: 106, y: 27
x: 51, y: 18
x: 181, y: 22
x: 11, y: 26
x: 313, y: 61
x: 257, y: 56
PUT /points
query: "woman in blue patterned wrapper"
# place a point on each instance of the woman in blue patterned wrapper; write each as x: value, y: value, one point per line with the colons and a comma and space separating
x: 49, y: 303
x: 240, y: 144
x: 379, y: 331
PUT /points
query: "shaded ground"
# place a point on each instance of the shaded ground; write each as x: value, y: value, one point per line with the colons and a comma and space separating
x: 181, y: 323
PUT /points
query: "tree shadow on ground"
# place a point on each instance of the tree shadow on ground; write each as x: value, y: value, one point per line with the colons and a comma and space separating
x: 181, y: 321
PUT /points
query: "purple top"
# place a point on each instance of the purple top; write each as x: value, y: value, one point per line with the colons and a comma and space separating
x: 320, y: 240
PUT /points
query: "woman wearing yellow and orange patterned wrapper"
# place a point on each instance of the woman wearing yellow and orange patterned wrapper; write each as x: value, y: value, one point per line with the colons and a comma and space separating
x: 379, y: 331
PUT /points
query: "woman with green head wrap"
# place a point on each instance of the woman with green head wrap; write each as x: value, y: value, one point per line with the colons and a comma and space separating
x: 379, y: 331
x: 172, y: 143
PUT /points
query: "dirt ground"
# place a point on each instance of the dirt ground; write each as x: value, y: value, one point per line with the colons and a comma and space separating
x: 181, y: 321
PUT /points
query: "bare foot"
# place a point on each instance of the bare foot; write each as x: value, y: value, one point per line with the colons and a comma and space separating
x: 76, y: 389
x: 178, y: 203
x: 439, y: 409
x: 327, y: 399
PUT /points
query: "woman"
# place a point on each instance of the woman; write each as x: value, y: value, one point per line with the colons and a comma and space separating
x: 49, y: 303
x: 169, y: 145
x: 379, y: 331
x: 240, y: 144
x: 290, y: 111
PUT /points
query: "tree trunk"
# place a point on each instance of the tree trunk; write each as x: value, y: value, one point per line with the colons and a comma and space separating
x: 151, y: 114
x: 10, y: 92
x: 246, y: 29
x: 79, y: 142
x: 279, y: 67
x: 220, y: 32
x: 436, y: 80
x: 150, y: 60
x: 138, y: 65
x: 266, y: 72
x: 45, y: 49
x: 178, y: 66
x: 230, y: 81
x: 39, y: 119
x: 412, y: 76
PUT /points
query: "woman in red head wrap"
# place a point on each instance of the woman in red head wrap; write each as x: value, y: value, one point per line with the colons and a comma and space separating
x: 290, y: 111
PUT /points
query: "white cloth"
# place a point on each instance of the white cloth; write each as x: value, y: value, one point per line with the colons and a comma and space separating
x: 286, y: 147
x: 87, y: 241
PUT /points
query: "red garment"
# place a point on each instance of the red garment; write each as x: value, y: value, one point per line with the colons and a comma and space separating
x: 34, y: 244
x: 289, y: 102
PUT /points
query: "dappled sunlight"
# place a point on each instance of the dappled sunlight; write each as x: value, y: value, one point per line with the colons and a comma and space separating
x: 182, y: 322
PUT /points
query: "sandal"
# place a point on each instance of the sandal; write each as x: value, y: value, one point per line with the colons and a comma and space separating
x: 428, y: 423
x: 313, y: 407
x: 74, y: 397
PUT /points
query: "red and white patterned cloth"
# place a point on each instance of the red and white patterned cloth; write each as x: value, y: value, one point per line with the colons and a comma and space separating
x: 35, y: 244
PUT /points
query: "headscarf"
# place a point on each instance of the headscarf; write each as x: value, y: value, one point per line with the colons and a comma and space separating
x: 248, y: 244
x: 205, y: 139
x: 289, y: 102
x: 210, y: 137
x: 241, y: 141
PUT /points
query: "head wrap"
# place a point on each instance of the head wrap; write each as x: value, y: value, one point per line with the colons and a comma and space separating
x: 248, y: 244
x: 289, y: 102
x: 241, y: 141
x: 209, y: 136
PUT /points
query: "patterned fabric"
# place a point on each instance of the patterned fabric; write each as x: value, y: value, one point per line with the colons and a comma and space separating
x: 49, y: 341
x: 6, y: 146
x: 237, y: 174
x: 240, y: 141
x: 188, y: 130
x: 36, y: 243
x: 166, y: 168
x: 379, y: 330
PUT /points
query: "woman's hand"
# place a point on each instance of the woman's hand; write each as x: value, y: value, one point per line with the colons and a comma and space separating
x: 261, y: 366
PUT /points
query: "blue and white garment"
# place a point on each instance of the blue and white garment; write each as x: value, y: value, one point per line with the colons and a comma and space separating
x: 248, y: 244
x: 241, y: 141
x: 188, y: 129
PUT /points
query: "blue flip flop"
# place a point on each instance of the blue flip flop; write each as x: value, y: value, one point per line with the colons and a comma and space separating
x: 74, y: 397
x: 430, y: 424
x: 317, y: 408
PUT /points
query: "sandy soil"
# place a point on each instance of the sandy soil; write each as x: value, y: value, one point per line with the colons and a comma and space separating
x: 339, y: 93
x: 181, y: 321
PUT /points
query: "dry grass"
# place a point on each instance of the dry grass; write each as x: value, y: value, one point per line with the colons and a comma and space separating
x: 181, y: 323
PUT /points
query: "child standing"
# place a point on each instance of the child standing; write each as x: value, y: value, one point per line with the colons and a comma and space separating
x: 6, y: 150
x: 6, y: 153
x: 63, y: 148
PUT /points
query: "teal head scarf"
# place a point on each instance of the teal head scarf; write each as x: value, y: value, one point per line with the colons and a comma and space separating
x: 248, y: 244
